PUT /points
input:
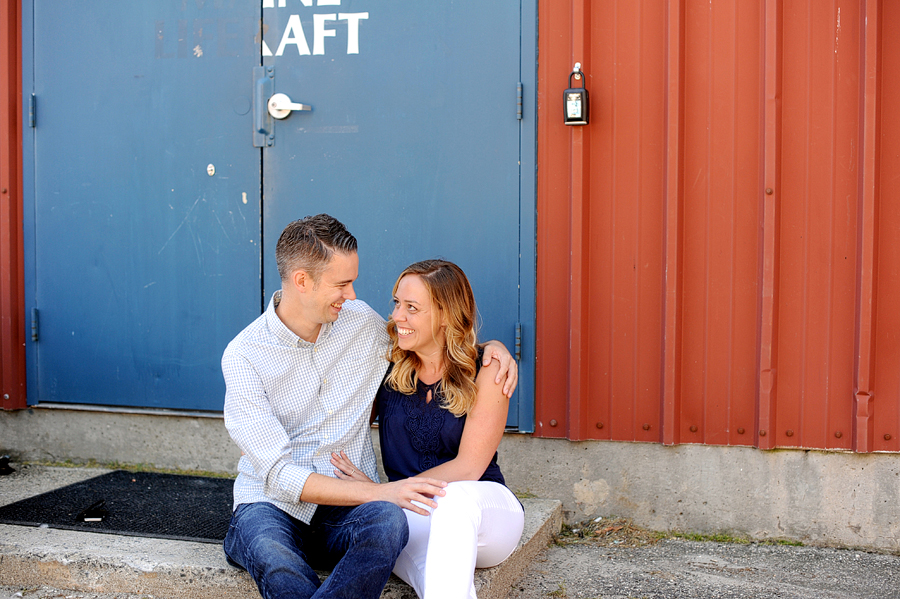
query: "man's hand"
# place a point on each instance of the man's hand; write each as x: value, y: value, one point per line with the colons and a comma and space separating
x: 401, y: 492
x: 494, y: 350
x: 419, y: 489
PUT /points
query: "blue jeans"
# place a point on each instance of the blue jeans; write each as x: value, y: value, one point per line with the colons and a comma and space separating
x: 358, y: 544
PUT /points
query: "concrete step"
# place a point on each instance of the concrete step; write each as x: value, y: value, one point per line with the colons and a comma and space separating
x: 103, y: 563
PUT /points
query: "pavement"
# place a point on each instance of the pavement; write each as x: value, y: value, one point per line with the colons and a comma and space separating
x: 607, y: 559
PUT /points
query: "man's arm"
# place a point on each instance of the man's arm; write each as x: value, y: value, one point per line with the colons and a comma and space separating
x: 325, y: 490
x: 253, y: 426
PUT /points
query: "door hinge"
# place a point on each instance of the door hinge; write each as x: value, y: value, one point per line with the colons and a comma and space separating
x: 519, y: 101
x: 518, y: 351
x: 32, y: 110
x: 34, y: 324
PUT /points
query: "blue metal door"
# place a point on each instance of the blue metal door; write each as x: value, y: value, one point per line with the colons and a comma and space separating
x: 412, y: 140
x: 142, y: 263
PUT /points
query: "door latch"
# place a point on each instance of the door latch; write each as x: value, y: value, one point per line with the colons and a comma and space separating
x: 280, y: 106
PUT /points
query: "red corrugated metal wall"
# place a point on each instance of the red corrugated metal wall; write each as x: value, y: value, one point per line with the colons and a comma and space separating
x: 717, y: 251
x: 12, y: 296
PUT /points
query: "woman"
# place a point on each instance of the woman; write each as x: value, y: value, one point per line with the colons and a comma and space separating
x: 442, y: 416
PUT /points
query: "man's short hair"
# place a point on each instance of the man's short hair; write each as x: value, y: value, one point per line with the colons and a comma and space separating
x: 309, y: 243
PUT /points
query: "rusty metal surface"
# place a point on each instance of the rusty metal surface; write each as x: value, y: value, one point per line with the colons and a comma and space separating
x: 716, y: 260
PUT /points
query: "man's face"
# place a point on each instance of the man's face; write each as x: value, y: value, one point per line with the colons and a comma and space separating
x: 325, y: 297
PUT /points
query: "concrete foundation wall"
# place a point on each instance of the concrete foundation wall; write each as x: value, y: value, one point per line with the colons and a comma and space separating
x: 154, y: 438
x: 810, y: 496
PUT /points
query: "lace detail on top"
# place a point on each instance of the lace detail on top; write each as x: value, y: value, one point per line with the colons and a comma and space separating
x: 424, y: 421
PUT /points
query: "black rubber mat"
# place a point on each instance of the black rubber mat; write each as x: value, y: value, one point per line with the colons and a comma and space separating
x: 142, y: 504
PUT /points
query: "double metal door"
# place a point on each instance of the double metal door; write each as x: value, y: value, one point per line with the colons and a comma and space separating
x: 163, y: 170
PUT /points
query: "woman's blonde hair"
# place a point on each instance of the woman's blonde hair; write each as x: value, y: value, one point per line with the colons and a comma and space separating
x: 451, y: 296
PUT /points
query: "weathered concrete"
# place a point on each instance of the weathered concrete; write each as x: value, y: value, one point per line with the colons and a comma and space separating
x: 105, y: 563
x: 844, y: 499
x: 165, y: 439
x: 812, y: 496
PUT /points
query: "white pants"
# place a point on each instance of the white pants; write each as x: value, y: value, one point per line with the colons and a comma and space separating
x: 476, y: 525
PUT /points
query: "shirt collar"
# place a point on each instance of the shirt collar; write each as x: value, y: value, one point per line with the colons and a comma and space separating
x: 284, y: 334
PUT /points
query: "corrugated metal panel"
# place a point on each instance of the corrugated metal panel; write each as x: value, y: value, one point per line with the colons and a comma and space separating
x: 622, y: 305
x: 12, y: 328
x: 819, y: 206
x: 881, y: 222
x: 720, y: 196
x: 715, y: 224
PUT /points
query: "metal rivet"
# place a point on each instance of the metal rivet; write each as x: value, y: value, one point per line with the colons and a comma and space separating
x: 769, y: 191
x: 646, y: 427
x: 789, y: 433
x: 210, y: 170
x: 6, y: 396
x: 693, y: 429
x: 887, y: 437
x: 4, y: 190
x: 599, y: 425
x: 553, y: 423
x: 838, y: 434
x: 741, y: 430
x: 762, y: 433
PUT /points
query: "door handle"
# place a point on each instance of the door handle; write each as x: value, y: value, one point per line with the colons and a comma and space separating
x: 280, y: 106
x: 263, y: 125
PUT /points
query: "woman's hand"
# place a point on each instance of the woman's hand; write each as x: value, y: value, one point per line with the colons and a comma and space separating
x: 346, y: 470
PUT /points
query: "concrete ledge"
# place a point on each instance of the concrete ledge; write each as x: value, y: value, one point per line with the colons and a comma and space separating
x: 103, y: 563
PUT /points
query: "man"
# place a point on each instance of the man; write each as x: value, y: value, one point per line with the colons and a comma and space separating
x: 300, y: 381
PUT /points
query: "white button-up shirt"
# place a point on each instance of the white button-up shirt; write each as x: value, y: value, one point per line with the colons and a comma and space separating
x: 290, y: 403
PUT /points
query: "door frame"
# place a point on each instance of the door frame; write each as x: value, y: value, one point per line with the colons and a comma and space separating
x: 528, y: 58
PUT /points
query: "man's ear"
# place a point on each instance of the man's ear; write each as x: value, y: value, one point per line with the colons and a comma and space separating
x: 301, y: 281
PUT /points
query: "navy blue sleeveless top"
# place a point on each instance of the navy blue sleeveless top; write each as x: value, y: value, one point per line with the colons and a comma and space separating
x: 416, y: 435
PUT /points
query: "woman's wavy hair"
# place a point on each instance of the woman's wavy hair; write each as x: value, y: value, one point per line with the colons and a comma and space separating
x: 451, y: 295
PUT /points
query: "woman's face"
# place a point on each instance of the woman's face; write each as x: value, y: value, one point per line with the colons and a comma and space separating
x: 418, y: 321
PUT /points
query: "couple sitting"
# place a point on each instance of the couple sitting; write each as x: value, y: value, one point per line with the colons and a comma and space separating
x: 299, y: 387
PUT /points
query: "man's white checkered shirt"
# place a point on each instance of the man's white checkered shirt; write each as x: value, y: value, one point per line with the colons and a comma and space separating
x: 289, y: 403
